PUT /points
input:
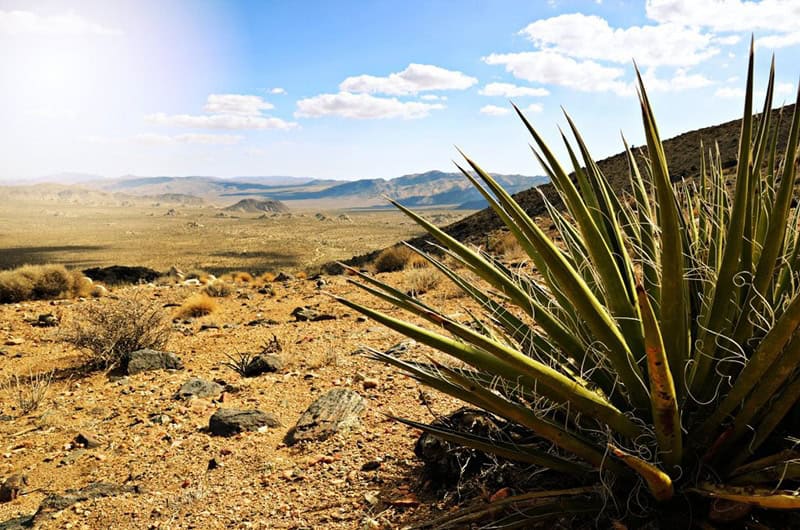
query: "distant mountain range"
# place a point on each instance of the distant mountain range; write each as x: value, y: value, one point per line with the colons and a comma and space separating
x: 429, y: 189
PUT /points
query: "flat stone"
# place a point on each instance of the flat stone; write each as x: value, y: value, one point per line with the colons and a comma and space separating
x: 95, y: 490
x: 199, y: 388
x: 227, y: 422
x: 339, y: 410
x: 18, y: 523
x: 147, y: 360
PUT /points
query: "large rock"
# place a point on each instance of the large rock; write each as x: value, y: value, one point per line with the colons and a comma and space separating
x: 199, y: 388
x: 339, y: 410
x: 227, y: 422
x: 147, y: 360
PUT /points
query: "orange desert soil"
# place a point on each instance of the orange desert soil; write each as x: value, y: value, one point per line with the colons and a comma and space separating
x: 260, y: 482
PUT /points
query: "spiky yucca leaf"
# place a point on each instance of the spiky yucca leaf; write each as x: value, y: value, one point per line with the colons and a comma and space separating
x: 658, y: 342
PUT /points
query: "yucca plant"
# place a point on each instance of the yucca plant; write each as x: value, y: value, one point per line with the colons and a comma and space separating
x: 655, y: 347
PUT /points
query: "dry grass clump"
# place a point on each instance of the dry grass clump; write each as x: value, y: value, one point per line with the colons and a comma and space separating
x: 506, y: 245
x: 109, y: 333
x: 42, y: 282
x: 267, y: 277
x: 218, y: 289
x: 301, y: 275
x: 393, y: 259
x: 239, y: 277
x: 27, y: 393
x: 420, y: 281
x: 198, y: 305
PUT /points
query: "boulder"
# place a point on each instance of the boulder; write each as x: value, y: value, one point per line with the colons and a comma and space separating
x: 227, y: 422
x: 339, y: 410
x: 147, y: 360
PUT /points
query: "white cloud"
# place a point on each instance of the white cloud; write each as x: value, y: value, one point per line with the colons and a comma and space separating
x: 553, y: 68
x: 238, y: 104
x: 779, y: 40
x: 494, y: 110
x: 784, y: 88
x: 28, y: 22
x: 218, y: 121
x: 433, y: 97
x: 727, y: 15
x: 414, y: 79
x: 510, y: 90
x: 591, y: 37
x: 277, y: 90
x: 682, y: 80
x: 533, y: 107
x: 362, y: 106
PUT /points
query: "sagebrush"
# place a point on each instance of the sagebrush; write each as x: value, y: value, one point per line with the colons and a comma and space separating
x: 108, y: 333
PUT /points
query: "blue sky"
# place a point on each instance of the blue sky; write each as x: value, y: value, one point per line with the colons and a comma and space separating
x: 361, y: 89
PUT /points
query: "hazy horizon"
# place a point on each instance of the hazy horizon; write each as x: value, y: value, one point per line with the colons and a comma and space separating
x: 354, y: 90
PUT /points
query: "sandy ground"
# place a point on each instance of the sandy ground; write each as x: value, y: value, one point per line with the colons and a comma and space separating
x: 260, y: 482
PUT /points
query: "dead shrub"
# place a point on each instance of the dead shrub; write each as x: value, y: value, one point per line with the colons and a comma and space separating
x: 506, y: 245
x: 197, y: 305
x: 302, y: 275
x: 267, y: 277
x: 392, y: 259
x: 27, y: 393
x: 109, y: 333
x: 218, y: 289
x: 420, y: 281
x: 42, y: 282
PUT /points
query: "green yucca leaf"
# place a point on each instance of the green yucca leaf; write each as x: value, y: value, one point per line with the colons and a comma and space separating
x: 572, y: 285
x: 717, y: 319
x: 674, y: 304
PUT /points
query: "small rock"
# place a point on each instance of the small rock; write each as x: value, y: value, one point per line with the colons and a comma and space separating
x: 207, y: 326
x: 372, y: 465
x: 370, y: 382
x: 147, y: 360
x: 12, y: 487
x: 283, y: 277
x: 14, y: 341
x: 46, y: 320
x: 227, y: 422
x: 199, y: 388
x: 307, y: 314
x: 87, y: 440
x: 264, y: 363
